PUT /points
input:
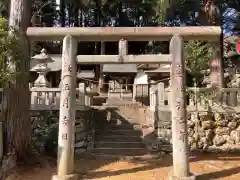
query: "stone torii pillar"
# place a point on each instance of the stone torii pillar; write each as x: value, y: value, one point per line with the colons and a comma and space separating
x: 179, y: 112
x: 67, y: 113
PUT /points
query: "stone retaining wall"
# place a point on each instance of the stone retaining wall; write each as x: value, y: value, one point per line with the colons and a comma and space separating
x: 207, y: 131
x: 45, y: 130
x: 84, y: 130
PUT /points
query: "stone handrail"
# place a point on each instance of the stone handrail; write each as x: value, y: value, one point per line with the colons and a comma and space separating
x: 49, y: 98
x: 45, y: 98
x: 199, y: 99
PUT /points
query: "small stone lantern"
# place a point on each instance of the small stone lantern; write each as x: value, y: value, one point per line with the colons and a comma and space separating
x: 42, y: 68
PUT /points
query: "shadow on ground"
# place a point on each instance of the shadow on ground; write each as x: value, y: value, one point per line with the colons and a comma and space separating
x: 219, y: 174
x: 157, y: 164
x: 90, y: 167
x: 93, y: 167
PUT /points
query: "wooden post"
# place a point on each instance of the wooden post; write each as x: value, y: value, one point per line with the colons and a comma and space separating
x: 179, y: 112
x: 67, y: 112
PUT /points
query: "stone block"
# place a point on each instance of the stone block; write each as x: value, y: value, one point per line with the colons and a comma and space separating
x: 207, y: 124
x: 209, y: 134
x: 235, y: 136
x: 79, y: 129
x: 200, y: 132
x: 221, y: 123
x: 80, y: 144
x: 229, y: 117
x: 218, y: 116
x: 80, y: 136
x: 191, y: 123
x: 206, y: 117
x: 222, y: 131
x: 66, y: 177
x: 80, y: 150
x: 190, y: 132
x: 228, y: 139
x: 219, y: 141
x: 232, y: 125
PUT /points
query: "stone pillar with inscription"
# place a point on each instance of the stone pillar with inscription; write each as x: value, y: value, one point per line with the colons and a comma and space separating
x: 67, y: 113
x: 179, y: 112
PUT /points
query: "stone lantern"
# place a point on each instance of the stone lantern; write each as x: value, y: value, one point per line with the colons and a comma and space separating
x: 42, y: 68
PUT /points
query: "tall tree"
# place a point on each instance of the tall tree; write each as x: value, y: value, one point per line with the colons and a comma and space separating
x: 17, y: 124
x: 214, y: 17
x: 4, y: 8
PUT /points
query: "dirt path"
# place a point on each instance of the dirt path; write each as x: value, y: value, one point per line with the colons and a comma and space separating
x: 208, y: 166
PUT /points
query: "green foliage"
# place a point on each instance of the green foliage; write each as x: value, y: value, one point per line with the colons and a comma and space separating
x: 45, y: 137
x: 197, y: 54
x: 11, y: 55
x: 161, y: 10
x: 3, y: 22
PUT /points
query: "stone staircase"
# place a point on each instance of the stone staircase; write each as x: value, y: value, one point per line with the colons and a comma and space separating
x: 119, y: 139
x: 117, y: 101
x: 121, y: 135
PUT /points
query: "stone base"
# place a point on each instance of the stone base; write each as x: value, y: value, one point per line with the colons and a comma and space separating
x: 191, y: 177
x: 66, y: 177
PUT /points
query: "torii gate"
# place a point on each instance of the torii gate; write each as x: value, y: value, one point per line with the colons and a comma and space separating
x: 67, y: 112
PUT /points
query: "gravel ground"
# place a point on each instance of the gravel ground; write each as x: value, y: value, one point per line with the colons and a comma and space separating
x: 206, y: 166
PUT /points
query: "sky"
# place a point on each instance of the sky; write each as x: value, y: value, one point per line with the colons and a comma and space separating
x: 230, y: 16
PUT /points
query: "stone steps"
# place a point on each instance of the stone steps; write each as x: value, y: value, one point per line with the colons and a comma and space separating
x: 120, y: 151
x: 119, y: 132
x: 136, y: 127
x: 119, y: 144
x: 118, y: 138
x: 124, y: 121
x: 144, y: 157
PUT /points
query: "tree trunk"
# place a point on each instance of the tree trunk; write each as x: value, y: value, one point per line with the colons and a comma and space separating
x: 101, y: 78
x: 62, y: 13
x: 17, y: 124
x: 213, y: 17
x: 76, y: 14
x: 120, y: 14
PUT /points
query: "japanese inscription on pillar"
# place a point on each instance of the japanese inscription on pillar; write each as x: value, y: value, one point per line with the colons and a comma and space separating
x: 178, y: 92
x: 68, y: 92
x: 65, y: 120
x: 179, y: 113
